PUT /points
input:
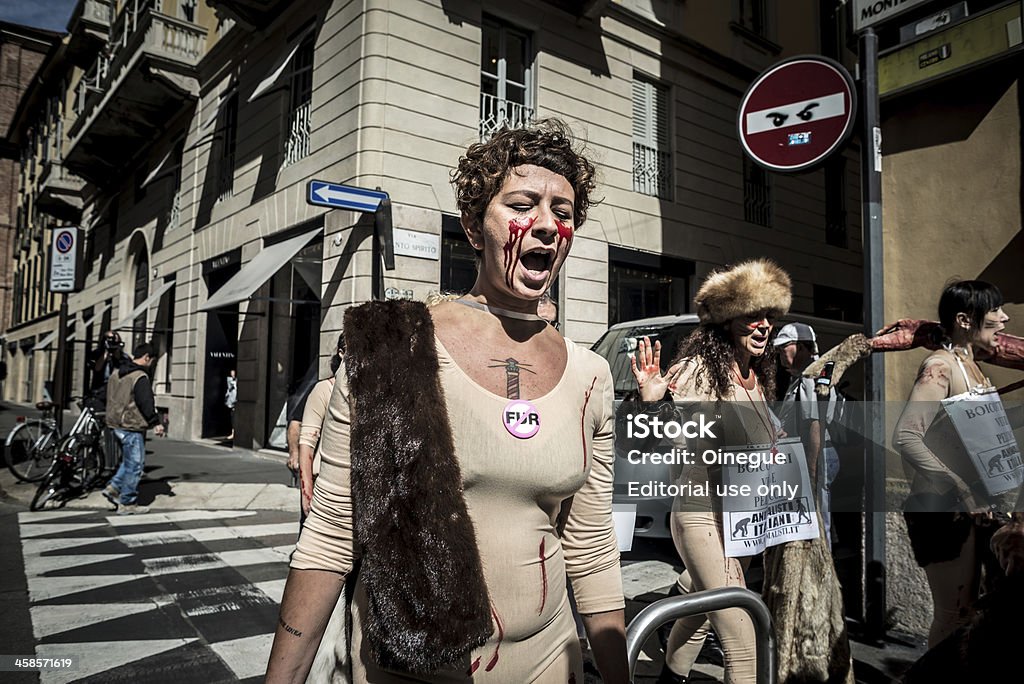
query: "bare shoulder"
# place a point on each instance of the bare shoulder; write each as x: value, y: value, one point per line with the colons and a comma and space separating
x: 936, y: 367
x: 442, y: 312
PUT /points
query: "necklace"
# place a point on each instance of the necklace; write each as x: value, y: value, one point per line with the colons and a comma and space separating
x: 767, y: 423
x: 497, y: 311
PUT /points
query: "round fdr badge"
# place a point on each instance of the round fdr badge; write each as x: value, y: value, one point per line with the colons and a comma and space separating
x: 521, y: 419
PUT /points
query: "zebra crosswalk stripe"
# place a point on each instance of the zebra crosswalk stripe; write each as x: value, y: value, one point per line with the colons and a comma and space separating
x: 207, y: 615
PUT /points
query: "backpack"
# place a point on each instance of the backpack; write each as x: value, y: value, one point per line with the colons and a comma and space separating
x: 846, y: 429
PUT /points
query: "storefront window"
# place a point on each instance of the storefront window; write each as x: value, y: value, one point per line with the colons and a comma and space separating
x: 294, y: 350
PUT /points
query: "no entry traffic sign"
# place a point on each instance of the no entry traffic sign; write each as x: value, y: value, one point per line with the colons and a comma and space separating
x: 797, y: 113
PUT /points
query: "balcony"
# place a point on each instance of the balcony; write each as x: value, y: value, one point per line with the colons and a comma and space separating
x: 59, y: 192
x: 652, y: 171
x: 496, y: 112
x: 143, y: 78
x: 256, y: 13
x: 88, y: 30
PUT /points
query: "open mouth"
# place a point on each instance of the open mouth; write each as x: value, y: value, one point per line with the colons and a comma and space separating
x: 537, y: 264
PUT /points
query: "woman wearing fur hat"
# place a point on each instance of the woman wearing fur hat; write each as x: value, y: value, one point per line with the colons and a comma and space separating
x: 727, y: 359
x: 467, y: 459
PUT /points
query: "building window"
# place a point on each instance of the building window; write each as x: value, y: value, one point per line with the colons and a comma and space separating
x: 754, y: 16
x: 141, y: 291
x: 838, y: 305
x: 506, y: 66
x: 642, y: 284
x: 226, y: 168
x: 835, y: 202
x: 16, y: 314
x: 652, y: 156
x: 458, y: 260
x: 757, y: 194
x: 296, y: 146
x: 174, y: 215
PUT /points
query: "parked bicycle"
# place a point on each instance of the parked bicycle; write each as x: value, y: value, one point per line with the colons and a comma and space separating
x: 79, y: 463
x: 31, y: 445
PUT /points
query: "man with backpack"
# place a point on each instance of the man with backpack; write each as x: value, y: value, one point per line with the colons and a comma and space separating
x: 797, y: 346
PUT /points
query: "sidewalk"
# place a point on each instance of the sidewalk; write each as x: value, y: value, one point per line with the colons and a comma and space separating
x: 182, y: 475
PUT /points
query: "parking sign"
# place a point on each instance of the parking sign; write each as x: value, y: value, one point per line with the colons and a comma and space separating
x: 64, y: 260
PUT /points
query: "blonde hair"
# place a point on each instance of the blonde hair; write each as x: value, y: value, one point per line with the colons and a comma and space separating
x: 435, y: 298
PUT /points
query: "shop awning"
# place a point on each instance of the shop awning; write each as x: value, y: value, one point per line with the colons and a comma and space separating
x: 258, y: 271
x: 127, y: 319
x: 87, y: 322
x: 45, y: 341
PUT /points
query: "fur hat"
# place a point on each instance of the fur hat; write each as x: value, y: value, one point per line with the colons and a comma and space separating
x: 746, y: 288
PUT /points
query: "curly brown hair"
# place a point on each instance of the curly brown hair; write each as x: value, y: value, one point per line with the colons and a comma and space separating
x: 713, y: 345
x: 548, y: 143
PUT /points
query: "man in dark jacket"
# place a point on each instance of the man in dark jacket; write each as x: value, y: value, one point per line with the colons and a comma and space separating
x: 130, y: 413
x: 103, y: 362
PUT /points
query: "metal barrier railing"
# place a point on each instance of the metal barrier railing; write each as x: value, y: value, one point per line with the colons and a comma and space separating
x: 675, y: 607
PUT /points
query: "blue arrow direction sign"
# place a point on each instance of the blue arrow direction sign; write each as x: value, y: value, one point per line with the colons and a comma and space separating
x: 337, y: 196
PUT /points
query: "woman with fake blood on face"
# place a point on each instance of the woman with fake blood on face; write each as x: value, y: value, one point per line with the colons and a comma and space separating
x: 531, y: 427
x: 728, y: 358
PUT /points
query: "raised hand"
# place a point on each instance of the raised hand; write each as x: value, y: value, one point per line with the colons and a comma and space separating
x: 650, y: 381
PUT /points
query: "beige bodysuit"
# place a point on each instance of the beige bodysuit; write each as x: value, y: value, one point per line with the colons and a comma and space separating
x: 514, y: 489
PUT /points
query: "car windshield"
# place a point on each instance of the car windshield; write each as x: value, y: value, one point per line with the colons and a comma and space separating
x: 618, y: 345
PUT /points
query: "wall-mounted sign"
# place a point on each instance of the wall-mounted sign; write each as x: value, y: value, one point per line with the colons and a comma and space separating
x: 941, y: 20
x: 871, y: 12
x: 972, y: 42
x: 415, y: 244
x: 395, y: 293
x: 797, y: 113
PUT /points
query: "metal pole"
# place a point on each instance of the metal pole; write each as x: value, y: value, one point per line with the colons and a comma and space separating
x: 665, y: 610
x: 874, y: 462
x: 58, y: 380
x: 376, y: 274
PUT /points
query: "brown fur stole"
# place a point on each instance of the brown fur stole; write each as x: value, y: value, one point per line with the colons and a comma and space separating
x: 428, y: 603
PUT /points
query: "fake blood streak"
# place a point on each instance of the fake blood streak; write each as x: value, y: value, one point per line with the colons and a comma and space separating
x: 543, y: 578
x: 501, y: 636
x: 583, y: 420
x: 514, y: 247
x: 565, y: 234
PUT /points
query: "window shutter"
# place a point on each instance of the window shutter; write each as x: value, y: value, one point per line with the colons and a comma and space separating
x: 641, y: 111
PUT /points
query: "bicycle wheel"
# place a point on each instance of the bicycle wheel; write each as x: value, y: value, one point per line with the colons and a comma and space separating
x: 31, y: 449
x: 52, y: 487
x: 89, y: 463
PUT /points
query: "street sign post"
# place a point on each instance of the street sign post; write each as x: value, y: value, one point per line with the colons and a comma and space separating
x: 66, y: 276
x: 337, y: 196
x: 797, y: 113
x: 65, y: 260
